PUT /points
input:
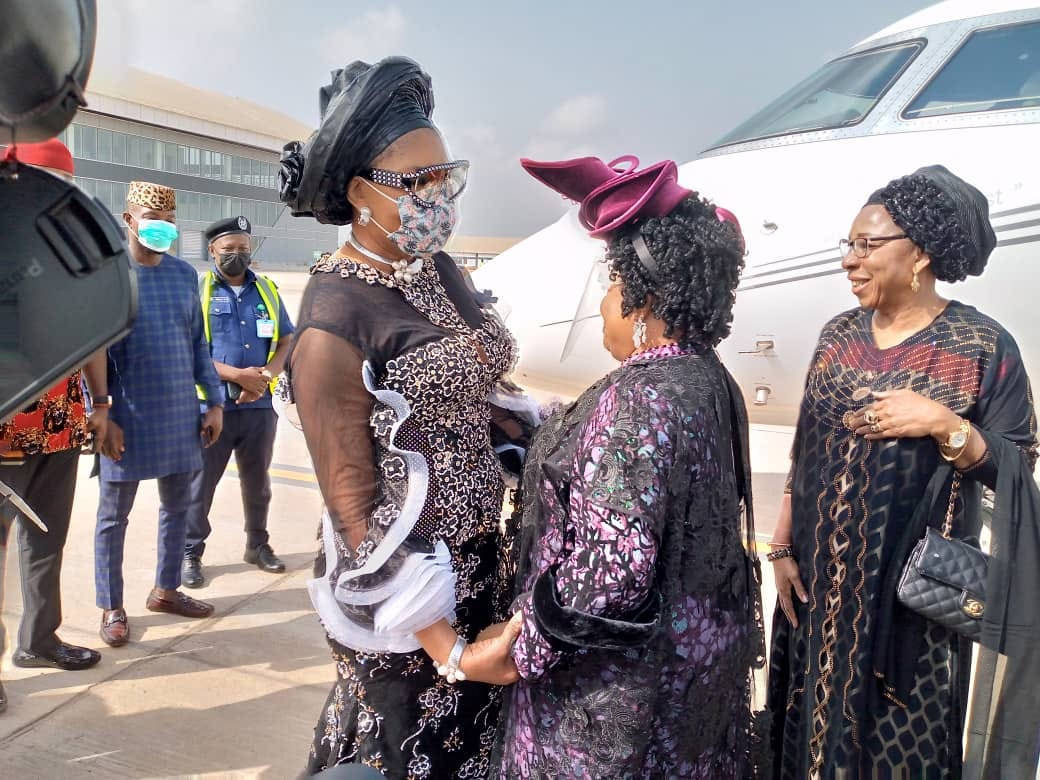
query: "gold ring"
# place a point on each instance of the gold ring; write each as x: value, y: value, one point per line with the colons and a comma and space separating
x: 875, y: 427
x: 870, y: 417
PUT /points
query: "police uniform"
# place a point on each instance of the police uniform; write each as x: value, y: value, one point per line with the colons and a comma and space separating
x: 243, y: 327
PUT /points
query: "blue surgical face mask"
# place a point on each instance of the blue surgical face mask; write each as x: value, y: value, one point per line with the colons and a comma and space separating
x: 157, y: 235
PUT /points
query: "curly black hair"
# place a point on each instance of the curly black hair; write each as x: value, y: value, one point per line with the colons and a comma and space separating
x: 928, y: 217
x: 699, y: 259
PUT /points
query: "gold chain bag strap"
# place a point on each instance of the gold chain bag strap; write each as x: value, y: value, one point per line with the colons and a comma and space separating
x: 945, y: 578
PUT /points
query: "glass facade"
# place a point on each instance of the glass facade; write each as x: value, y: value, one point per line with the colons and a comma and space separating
x: 289, y: 246
x: 200, y: 206
x: 111, y: 146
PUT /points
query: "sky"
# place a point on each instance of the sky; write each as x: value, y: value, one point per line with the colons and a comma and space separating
x: 546, y: 79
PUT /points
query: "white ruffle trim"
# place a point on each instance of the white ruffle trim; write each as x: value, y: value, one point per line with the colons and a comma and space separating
x: 418, y: 595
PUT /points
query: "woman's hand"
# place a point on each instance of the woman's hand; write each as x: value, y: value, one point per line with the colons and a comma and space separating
x: 490, y: 660
x: 788, y: 580
x: 903, y: 414
x: 492, y: 631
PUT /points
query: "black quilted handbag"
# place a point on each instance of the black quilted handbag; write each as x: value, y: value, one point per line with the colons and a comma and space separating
x: 945, y: 578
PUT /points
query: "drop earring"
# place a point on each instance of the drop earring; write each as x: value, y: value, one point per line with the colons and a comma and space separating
x: 639, y: 333
x: 364, y: 215
x: 915, y: 283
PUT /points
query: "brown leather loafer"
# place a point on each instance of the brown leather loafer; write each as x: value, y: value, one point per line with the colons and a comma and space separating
x: 115, y: 630
x: 183, y: 605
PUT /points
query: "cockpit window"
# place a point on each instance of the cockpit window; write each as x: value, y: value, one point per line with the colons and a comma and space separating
x: 838, y: 95
x: 995, y: 70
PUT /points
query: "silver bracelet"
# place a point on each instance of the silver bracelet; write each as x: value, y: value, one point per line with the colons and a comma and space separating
x: 451, y: 669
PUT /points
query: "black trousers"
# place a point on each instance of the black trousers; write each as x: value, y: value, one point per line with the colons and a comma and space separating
x: 249, y: 434
x: 48, y: 485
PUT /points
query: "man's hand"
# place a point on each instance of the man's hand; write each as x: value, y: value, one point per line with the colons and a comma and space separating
x: 97, y: 424
x: 112, y: 446
x: 212, y: 425
x: 251, y: 380
x: 246, y: 397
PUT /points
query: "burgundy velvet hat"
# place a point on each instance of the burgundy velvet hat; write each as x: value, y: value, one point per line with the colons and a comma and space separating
x: 612, y: 196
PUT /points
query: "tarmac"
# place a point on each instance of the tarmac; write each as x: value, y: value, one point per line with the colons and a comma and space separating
x: 235, y: 695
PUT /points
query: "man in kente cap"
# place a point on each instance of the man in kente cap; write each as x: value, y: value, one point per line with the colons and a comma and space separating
x: 155, y: 430
x: 249, y: 333
x: 39, y: 451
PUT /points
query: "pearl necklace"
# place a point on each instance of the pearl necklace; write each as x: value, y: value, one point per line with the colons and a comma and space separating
x: 404, y: 270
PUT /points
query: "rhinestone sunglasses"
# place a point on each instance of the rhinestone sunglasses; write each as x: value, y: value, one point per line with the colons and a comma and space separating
x: 425, y: 184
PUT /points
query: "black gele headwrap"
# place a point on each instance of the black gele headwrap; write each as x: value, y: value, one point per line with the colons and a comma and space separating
x: 364, y: 110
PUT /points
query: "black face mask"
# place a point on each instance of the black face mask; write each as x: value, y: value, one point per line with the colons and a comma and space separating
x: 233, y: 263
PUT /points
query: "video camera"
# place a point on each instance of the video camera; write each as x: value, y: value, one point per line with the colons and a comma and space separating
x: 66, y: 289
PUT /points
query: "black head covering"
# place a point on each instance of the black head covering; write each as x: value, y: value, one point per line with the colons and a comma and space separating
x: 227, y: 227
x: 364, y: 110
x: 943, y: 215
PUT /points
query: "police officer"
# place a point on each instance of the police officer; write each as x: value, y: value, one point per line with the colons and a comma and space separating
x: 249, y: 334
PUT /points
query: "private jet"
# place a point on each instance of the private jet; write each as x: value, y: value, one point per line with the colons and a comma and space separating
x: 956, y: 84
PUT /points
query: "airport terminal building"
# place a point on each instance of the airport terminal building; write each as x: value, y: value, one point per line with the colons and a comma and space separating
x: 221, y: 156
x: 219, y: 153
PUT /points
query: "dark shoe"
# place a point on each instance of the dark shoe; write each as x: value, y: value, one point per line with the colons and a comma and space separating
x: 191, y: 573
x: 3, y: 699
x: 68, y: 657
x: 115, y: 630
x: 183, y: 605
x: 263, y: 558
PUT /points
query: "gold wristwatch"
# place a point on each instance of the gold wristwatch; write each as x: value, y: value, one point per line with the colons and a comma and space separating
x: 956, y: 442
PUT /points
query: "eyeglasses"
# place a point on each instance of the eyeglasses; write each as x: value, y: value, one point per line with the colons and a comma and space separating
x: 862, y: 245
x: 425, y: 184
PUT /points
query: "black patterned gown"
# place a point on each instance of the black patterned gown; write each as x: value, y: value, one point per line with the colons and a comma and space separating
x: 835, y: 715
x: 391, y: 383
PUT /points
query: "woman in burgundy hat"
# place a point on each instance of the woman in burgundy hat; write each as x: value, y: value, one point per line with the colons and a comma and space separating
x: 637, y: 582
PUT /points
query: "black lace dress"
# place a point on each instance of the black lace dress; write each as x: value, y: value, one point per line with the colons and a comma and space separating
x: 391, y: 385
x: 641, y: 606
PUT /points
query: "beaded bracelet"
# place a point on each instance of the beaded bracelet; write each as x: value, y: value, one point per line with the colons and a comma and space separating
x: 451, y: 669
x: 778, y: 553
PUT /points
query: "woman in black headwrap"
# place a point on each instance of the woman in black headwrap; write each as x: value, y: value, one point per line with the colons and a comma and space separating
x: 907, y: 395
x: 391, y: 371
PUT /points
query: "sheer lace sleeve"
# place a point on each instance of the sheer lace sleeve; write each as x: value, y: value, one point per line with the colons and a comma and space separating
x: 334, y: 409
x: 602, y: 588
x: 380, y: 581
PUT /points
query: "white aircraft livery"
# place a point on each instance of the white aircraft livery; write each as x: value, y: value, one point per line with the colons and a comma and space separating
x: 957, y: 84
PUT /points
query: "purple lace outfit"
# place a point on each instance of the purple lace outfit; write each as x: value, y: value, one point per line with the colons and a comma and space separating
x: 642, y: 616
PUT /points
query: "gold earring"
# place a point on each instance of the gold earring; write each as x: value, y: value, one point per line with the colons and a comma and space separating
x: 915, y: 284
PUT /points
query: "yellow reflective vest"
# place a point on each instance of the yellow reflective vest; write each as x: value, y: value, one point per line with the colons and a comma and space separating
x: 268, y: 294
